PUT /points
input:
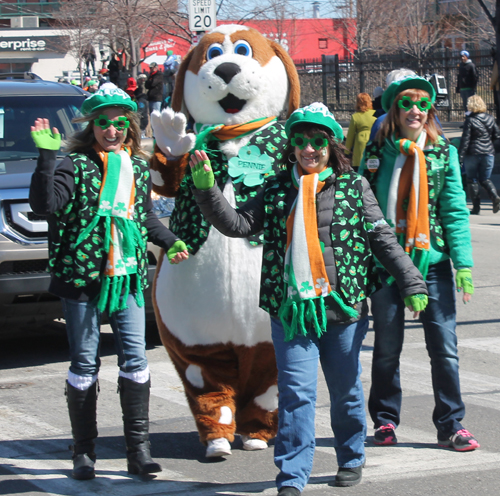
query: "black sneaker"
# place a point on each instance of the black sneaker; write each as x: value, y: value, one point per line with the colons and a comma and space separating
x: 289, y: 491
x: 385, y: 435
x: 462, y: 440
x: 347, y: 477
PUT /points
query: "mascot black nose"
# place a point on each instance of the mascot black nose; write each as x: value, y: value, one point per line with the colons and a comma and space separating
x: 227, y: 71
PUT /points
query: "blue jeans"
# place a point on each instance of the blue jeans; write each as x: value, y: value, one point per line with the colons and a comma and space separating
x: 466, y: 94
x: 297, y: 360
x: 83, y: 322
x: 154, y: 106
x: 439, y: 324
x: 478, y: 167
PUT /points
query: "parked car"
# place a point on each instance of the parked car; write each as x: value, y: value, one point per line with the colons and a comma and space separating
x: 23, y: 235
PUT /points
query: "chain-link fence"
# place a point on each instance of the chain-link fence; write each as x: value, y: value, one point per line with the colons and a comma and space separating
x: 336, y: 82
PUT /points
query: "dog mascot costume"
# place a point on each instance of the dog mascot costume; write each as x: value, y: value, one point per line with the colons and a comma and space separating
x: 231, y: 87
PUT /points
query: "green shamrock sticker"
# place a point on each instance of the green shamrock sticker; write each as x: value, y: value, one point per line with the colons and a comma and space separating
x: 250, y: 166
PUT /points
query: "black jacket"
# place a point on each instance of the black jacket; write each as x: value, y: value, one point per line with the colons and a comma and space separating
x: 480, y: 131
x: 252, y: 216
x: 154, y: 85
x: 467, y: 76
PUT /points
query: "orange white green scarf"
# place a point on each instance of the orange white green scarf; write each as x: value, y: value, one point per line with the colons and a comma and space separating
x: 307, y: 285
x: 407, y: 205
x: 122, y: 236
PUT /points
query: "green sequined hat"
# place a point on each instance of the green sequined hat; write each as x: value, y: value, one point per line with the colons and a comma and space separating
x: 409, y: 82
x: 317, y: 114
x: 108, y: 97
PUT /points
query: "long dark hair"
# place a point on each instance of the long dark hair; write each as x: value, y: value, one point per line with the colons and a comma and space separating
x: 82, y: 141
x: 339, y: 162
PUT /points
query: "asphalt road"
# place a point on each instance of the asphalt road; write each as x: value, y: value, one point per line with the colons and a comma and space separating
x: 35, y: 430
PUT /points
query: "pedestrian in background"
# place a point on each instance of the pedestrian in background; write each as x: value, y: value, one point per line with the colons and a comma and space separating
x: 377, y: 101
x: 131, y: 87
x: 99, y: 209
x: 467, y: 78
x: 416, y: 178
x: 141, y: 99
x: 154, y: 85
x: 359, y: 128
x: 477, y: 152
x: 322, y: 259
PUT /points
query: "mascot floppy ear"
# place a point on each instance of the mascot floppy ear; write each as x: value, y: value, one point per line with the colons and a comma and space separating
x: 178, y: 95
x: 293, y: 77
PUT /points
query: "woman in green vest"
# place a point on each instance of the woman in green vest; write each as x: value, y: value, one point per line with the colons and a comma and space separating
x: 359, y: 128
x: 321, y: 224
x: 100, y: 218
x: 416, y: 178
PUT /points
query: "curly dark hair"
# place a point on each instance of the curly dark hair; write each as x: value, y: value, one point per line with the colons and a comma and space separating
x: 339, y: 162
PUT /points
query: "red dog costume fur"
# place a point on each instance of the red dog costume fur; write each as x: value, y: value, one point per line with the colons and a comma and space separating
x: 207, y: 307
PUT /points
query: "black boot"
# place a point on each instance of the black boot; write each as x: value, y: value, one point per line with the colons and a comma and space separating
x: 475, y: 198
x: 492, y: 193
x: 134, y: 398
x: 82, y: 414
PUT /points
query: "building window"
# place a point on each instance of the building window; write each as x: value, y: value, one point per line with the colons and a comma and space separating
x: 322, y: 43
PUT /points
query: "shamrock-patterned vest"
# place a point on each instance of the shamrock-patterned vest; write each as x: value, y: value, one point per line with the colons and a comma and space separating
x: 356, y: 273
x: 84, y: 266
x: 187, y: 221
x: 437, y: 160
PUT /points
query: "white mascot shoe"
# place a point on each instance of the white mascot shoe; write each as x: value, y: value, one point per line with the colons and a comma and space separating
x: 252, y: 444
x: 218, y: 447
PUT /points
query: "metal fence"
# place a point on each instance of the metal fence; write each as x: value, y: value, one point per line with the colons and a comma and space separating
x: 336, y: 82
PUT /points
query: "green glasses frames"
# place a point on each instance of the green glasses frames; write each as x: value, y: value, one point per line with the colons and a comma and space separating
x: 318, y: 141
x: 406, y: 103
x: 120, y: 124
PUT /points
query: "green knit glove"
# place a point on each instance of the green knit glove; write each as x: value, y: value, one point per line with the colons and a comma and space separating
x: 176, y: 248
x: 418, y: 302
x: 202, y: 178
x: 463, y: 280
x: 46, y: 140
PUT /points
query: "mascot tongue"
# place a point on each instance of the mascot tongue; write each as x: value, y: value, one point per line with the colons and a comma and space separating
x: 231, y: 104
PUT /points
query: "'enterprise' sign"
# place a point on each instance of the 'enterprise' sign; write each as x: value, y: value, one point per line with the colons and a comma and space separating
x: 33, y: 44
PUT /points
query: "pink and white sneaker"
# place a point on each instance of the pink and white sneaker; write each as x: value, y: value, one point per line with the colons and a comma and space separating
x: 385, y: 435
x: 462, y: 440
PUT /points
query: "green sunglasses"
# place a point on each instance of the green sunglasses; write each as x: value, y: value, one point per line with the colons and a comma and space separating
x: 406, y: 103
x: 120, y: 124
x: 318, y: 141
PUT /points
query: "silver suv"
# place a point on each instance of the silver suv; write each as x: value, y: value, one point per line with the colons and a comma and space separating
x: 23, y: 235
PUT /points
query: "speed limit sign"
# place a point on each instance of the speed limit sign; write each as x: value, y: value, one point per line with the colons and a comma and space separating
x: 202, y: 15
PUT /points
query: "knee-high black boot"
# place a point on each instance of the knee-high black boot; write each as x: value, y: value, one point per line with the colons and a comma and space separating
x: 474, y: 196
x: 82, y: 414
x: 492, y: 193
x: 134, y: 398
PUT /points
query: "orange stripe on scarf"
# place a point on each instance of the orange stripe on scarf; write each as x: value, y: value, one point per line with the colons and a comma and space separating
x: 235, y: 130
x: 417, y: 222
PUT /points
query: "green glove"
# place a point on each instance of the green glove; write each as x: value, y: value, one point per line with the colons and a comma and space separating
x: 463, y: 280
x: 176, y: 248
x: 202, y: 178
x: 46, y: 140
x: 418, y: 302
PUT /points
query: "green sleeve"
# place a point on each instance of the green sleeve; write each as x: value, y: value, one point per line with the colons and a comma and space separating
x: 454, y: 214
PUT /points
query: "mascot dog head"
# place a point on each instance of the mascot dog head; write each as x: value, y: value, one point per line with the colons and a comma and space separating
x: 235, y: 75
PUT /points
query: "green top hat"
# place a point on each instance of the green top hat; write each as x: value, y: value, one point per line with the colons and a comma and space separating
x: 109, y: 97
x: 317, y: 114
x: 409, y: 82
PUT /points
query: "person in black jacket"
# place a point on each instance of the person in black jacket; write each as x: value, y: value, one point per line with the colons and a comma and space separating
x: 321, y: 225
x: 99, y: 208
x: 154, y: 85
x: 477, y: 152
x: 467, y: 78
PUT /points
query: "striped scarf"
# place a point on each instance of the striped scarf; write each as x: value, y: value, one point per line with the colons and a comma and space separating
x: 116, y: 210
x: 306, y: 279
x: 407, y: 205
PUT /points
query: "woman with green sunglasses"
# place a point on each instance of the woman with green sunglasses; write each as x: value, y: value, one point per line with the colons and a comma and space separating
x: 98, y: 204
x: 321, y: 225
x: 416, y: 178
